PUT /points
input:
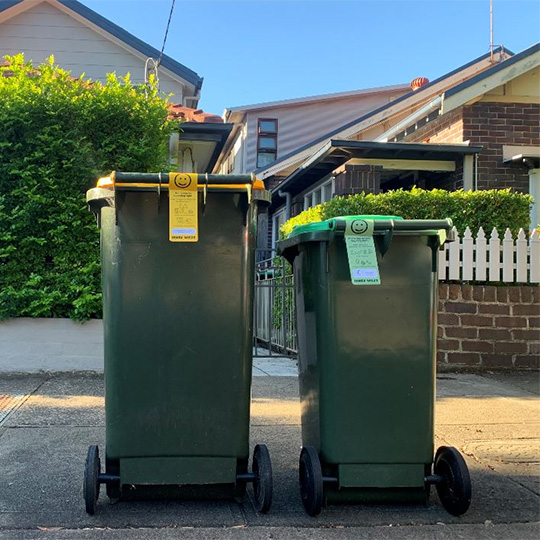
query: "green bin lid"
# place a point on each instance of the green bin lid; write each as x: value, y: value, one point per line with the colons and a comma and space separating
x: 330, y: 224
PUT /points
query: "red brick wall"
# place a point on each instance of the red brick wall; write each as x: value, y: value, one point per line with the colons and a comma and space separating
x: 493, y: 125
x: 445, y: 129
x: 488, y: 327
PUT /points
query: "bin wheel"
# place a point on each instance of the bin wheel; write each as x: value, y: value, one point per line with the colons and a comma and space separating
x: 455, y: 491
x: 91, y: 479
x: 311, y: 480
x: 263, y: 483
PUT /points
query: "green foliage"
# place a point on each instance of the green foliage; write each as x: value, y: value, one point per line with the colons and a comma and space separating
x: 58, y: 135
x: 311, y: 215
x: 473, y: 209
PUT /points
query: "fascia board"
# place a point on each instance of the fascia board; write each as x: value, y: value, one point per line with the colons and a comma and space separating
x: 13, y: 8
x: 490, y: 82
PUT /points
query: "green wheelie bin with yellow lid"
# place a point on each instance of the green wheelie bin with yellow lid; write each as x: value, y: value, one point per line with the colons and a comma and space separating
x: 366, y: 303
x: 178, y: 256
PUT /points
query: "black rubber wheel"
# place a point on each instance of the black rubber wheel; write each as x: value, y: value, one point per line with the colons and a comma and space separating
x: 263, y: 484
x: 455, y: 491
x: 91, y: 479
x: 311, y: 480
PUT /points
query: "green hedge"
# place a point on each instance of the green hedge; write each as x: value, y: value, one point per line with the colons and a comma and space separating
x: 474, y: 209
x: 59, y: 134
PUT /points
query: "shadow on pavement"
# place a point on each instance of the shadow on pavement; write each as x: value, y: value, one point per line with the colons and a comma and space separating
x: 43, y: 447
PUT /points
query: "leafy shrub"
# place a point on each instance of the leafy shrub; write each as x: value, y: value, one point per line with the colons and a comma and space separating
x: 58, y: 135
x: 311, y: 215
x: 473, y: 209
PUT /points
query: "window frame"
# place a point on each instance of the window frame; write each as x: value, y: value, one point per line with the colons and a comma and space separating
x: 267, y: 134
x: 276, y: 218
x: 318, y: 193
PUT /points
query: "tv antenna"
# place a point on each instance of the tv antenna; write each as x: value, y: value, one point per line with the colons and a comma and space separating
x: 491, y: 30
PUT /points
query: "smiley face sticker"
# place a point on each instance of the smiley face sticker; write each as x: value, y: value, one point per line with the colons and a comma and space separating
x: 182, y: 181
x: 359, y: 226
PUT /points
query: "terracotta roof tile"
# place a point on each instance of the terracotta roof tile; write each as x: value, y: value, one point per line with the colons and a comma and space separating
x: 193, y: 115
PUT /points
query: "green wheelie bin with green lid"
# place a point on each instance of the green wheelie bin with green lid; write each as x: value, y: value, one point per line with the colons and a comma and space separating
x: 178, y: 256
x: 366, y: 303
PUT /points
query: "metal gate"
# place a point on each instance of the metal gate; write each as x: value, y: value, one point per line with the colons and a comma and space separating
x: 274, y: 308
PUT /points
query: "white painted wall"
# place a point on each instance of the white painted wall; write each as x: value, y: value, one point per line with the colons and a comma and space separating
x: 31, y: 345
x: 44, y: 30
x: 300, y: 124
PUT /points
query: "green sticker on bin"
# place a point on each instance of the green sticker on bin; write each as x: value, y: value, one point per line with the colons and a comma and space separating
x: 361, y: 252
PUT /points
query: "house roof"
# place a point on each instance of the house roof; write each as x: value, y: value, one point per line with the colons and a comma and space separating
x: 310, y: 99
x: 337, y: 152
x: 419, y: 97
x: 495, y: 69
x: 498, y: 75
x: 468, y: 91
x: 129, y: 39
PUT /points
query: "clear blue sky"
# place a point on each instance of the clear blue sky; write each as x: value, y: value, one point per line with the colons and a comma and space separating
x: 252, y: 51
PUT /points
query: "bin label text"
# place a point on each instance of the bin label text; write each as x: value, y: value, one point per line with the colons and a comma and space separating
x: 361, y: 252
x: 183, y: 207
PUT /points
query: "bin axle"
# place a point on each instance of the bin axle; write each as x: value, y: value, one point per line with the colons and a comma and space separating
x: 247, y: 477
x: 104, y: 478
x: 435, y: 479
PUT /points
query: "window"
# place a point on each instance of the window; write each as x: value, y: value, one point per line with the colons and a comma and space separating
x: 278, y: 219
x: 327, y: 191
x: 266, y: 141
x: 319, y: 195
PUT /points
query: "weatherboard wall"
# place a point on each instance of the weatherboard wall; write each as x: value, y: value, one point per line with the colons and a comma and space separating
x: 44, y: 30
x: 300, y: 124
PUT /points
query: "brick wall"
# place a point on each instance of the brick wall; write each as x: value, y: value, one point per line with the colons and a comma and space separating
x: 484, y: 326
x: 445, y: 129
x: 493, y: 125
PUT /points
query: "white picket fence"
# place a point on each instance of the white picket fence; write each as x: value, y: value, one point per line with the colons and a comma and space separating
x: 478, y: 259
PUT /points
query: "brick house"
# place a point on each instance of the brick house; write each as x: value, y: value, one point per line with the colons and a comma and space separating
x: 477, y: 127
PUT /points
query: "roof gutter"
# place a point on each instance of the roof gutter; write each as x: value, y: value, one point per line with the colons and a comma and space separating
x: 406, y: 122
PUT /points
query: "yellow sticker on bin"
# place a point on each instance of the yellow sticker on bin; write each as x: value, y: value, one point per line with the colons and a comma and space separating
x: 183, y: 207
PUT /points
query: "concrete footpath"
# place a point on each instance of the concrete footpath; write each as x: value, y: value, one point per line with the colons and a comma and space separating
x: 47, y: 422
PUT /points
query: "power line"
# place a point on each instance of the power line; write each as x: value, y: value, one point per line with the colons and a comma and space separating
x: 166, y: 33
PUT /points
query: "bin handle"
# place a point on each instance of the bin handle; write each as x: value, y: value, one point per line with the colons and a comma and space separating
x: 152, y: 178
x: 204, y: 192
x: 159, y: 192
x: 405, y: 225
